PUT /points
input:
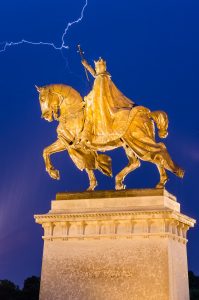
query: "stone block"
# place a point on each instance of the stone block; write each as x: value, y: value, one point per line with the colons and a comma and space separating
x: 115, y: 245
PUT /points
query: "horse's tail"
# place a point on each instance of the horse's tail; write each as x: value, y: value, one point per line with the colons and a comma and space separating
x: 161, y: 120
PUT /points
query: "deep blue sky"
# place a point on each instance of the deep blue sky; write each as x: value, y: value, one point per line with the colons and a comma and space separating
x: 151, y: 48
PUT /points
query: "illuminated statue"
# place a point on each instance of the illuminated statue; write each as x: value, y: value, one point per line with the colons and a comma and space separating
x: 104, y: 121
x: 64, y: 104
x: 107, y: 110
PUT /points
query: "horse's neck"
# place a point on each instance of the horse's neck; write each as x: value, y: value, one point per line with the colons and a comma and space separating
x: 71, y: 102
x: 71, y: 115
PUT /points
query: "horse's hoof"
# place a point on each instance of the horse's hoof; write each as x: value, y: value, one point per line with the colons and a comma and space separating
x: 120, y: 186
x: 92, y: 186
x: 180, y: 173
x: 160, y: 186
x: 54, y: 174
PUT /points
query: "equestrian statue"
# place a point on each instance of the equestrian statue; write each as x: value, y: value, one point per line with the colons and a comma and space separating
x: 104, y: 120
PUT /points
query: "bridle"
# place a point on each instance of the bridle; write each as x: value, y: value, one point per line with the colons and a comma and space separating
x: 60, y: 97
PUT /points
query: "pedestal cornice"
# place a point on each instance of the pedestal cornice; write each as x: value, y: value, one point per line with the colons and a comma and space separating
x: 118, y: 214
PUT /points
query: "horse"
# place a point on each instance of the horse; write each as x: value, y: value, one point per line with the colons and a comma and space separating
x: 64, y: 104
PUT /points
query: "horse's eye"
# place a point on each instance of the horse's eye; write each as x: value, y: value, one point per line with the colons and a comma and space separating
x: 42, y: 99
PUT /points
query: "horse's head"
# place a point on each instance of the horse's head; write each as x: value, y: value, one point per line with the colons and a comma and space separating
x: 49, y: 103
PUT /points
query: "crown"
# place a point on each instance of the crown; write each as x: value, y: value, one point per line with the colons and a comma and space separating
x: 100, y: 61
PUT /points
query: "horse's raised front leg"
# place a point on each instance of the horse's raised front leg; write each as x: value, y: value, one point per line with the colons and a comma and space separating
x: 57, y: 146
x: 133, y: 164
x: 92, y: 180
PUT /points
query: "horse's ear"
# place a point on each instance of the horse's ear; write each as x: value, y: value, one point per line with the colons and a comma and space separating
x: 38, y: 88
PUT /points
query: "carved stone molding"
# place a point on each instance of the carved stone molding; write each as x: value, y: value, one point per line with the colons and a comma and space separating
x: 140, y: 215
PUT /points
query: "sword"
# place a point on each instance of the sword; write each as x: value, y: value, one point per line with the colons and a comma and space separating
x: 81, y: 53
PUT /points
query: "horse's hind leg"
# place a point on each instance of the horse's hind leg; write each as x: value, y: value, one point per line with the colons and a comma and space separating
x: 163, y: 177
x: 164, y: 162
x: 92, y: 180
x: 172, y: 166
x: 133, y: 164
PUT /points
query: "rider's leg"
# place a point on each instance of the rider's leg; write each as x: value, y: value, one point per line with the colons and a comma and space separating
x: 133, y: 164
x: 92, y: 180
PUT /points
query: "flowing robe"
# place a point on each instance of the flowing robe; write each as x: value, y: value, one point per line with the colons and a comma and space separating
x: 107, y: 110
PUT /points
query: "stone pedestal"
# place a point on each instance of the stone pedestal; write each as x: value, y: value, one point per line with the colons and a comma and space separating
x: 115, y: 245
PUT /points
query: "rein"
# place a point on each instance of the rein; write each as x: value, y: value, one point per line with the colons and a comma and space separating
x: 61, y: 100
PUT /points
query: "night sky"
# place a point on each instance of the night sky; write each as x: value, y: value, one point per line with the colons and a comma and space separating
x: 152, y: 52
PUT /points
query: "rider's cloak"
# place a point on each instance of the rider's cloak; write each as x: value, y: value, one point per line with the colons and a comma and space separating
x: 107, y: 110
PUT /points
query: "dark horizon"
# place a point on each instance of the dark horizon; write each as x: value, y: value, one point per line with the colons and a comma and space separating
x: 151, y: 49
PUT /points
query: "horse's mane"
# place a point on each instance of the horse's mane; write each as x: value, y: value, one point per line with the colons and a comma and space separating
x: 58, y: 87
x: 63, y: 89
x: 70, y: 95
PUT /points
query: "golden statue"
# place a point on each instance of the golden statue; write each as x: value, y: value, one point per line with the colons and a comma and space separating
x: 104, y: 120
x: 107, y: 109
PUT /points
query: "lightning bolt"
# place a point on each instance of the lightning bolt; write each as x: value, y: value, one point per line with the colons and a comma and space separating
x: 62, y: 46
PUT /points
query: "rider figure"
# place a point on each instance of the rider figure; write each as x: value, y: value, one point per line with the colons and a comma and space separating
x: 106, y: 108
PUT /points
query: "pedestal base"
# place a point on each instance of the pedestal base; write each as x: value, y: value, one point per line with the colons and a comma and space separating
x: 116, y: 246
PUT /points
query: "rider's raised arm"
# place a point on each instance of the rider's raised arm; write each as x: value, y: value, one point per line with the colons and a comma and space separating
x: 88, y: 67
